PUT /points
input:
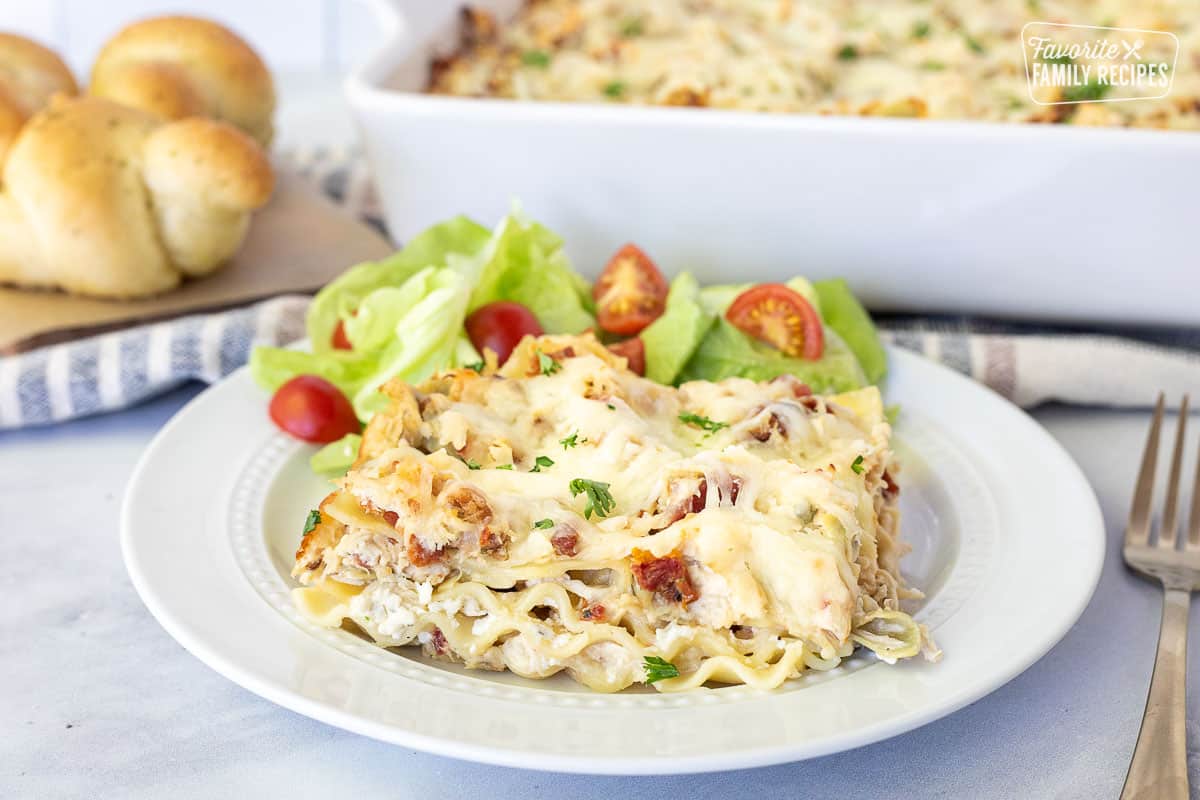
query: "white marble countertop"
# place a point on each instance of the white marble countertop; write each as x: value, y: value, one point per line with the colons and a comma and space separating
x: 98, y: 701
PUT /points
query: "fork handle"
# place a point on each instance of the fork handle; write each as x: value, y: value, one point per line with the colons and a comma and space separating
x: 1159, y: 766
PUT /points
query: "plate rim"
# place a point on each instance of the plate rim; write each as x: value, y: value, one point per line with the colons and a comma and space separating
x: 522, y: 757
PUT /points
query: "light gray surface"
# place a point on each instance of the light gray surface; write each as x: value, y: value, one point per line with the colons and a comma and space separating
x: 97, y: 701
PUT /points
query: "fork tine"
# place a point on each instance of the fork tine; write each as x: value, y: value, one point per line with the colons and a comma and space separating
x: 1137, y: 530
x: 1170, y: 521
x: 1193, y: 540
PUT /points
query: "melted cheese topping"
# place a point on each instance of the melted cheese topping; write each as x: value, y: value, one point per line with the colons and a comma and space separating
x: 951, y: 59
x: 745, y: 553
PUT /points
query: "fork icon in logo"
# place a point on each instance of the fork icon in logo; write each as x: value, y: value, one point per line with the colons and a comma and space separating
x: 1132, y: 49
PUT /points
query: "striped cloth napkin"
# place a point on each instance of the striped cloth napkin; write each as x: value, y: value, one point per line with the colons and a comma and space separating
x: 1028, y: 364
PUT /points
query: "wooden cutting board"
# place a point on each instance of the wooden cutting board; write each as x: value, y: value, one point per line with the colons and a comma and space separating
x: 296, y: 244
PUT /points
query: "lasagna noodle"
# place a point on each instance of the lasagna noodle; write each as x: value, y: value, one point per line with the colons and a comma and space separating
x: 562, y: 513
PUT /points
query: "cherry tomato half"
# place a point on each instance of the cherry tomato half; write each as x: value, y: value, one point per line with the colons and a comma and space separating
x: 499, y: 326
x: 630, y: 293
x: 780, y: 317
x: 313, y: 409
x: 634, y: 351
x: 339, y: 340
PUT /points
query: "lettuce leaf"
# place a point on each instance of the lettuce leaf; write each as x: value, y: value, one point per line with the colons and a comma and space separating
x: 403, y: 315
x: 524, y: 262
x: 408, y: 331
x: 335, y: 458
x: 726, y: 352
x: 672, y: 338
x: 841, y: 311
x: 343, y: 295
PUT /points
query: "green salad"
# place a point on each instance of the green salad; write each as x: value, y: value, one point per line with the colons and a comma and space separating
x: 458, y: 289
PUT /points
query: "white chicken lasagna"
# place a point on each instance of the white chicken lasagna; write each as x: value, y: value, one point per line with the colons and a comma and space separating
x: 560, y: 513
x: 942, y: 59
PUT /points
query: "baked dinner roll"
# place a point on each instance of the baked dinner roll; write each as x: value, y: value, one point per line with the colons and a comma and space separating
x: 106, y: 200
x: 29, y: 75
x: 176, y: 67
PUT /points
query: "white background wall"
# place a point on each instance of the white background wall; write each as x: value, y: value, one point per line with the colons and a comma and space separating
x: 307, y: 36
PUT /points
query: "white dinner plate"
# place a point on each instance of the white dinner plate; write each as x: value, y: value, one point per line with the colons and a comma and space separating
x: 1008, y: 542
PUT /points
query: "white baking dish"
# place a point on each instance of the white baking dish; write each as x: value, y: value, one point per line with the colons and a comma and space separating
x: 1028, y: 221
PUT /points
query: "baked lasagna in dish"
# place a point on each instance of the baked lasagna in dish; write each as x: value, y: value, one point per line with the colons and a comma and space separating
x: 944, y: 59
x: 560, y: 513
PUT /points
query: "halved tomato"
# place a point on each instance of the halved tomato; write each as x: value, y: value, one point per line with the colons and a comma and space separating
x: 781, y: 317
x: 634, y: 351
x: 630, y: 293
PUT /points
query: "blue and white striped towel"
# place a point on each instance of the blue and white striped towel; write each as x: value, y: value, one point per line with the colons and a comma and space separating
x: 1028, y: 364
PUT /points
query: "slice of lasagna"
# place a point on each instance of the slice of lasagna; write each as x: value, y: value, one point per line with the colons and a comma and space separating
x: 562, y: 513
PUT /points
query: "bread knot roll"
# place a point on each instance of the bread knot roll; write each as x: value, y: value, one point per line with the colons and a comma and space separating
x: 106, y: 200
x: 176, y: 67
x: 29, y: 75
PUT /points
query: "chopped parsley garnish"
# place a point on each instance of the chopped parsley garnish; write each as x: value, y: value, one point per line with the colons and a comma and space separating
x: 471, y: 464
x: 570, y: 441
x: 547, y: 364
x: 541, y: 462
x: 314, y: 519
x: 543, y: 524
x: 933, y: 66
x: 848, y: 53
x: 704, y: 423
x: 632, y: 27
x: 599, y: 500
x: 535, y: 58
x: 1063, y: 59
x: 1092, y: 90
x: 476, y: 367
x: 611, y: 407
x: 614, y: 89
x: 857, y: 466
x: 920, y: 29
x: 505, y: 466
x: 658, y: 669
x: 973, y: 44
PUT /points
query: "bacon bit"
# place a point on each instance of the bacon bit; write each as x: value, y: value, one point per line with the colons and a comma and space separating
x: 798, y: 387
x: 315, y: 563
x: 494, y: 542
x: 437, y: 641
x: 358, y: 559
x: 742, y: 632
x: 699, y: 500
x: 809, y: 402
x: 391, y: 518
x: 677, y: 513
x: 469, y: 506
x: 594, y: 612
x: 772, y: 425
x: 890, y: 487
x: 666, y: 577
x: 565, y: 540
x: 418, y: 556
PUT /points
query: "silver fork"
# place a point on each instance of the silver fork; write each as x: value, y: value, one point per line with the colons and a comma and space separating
x: 1159, y: 766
